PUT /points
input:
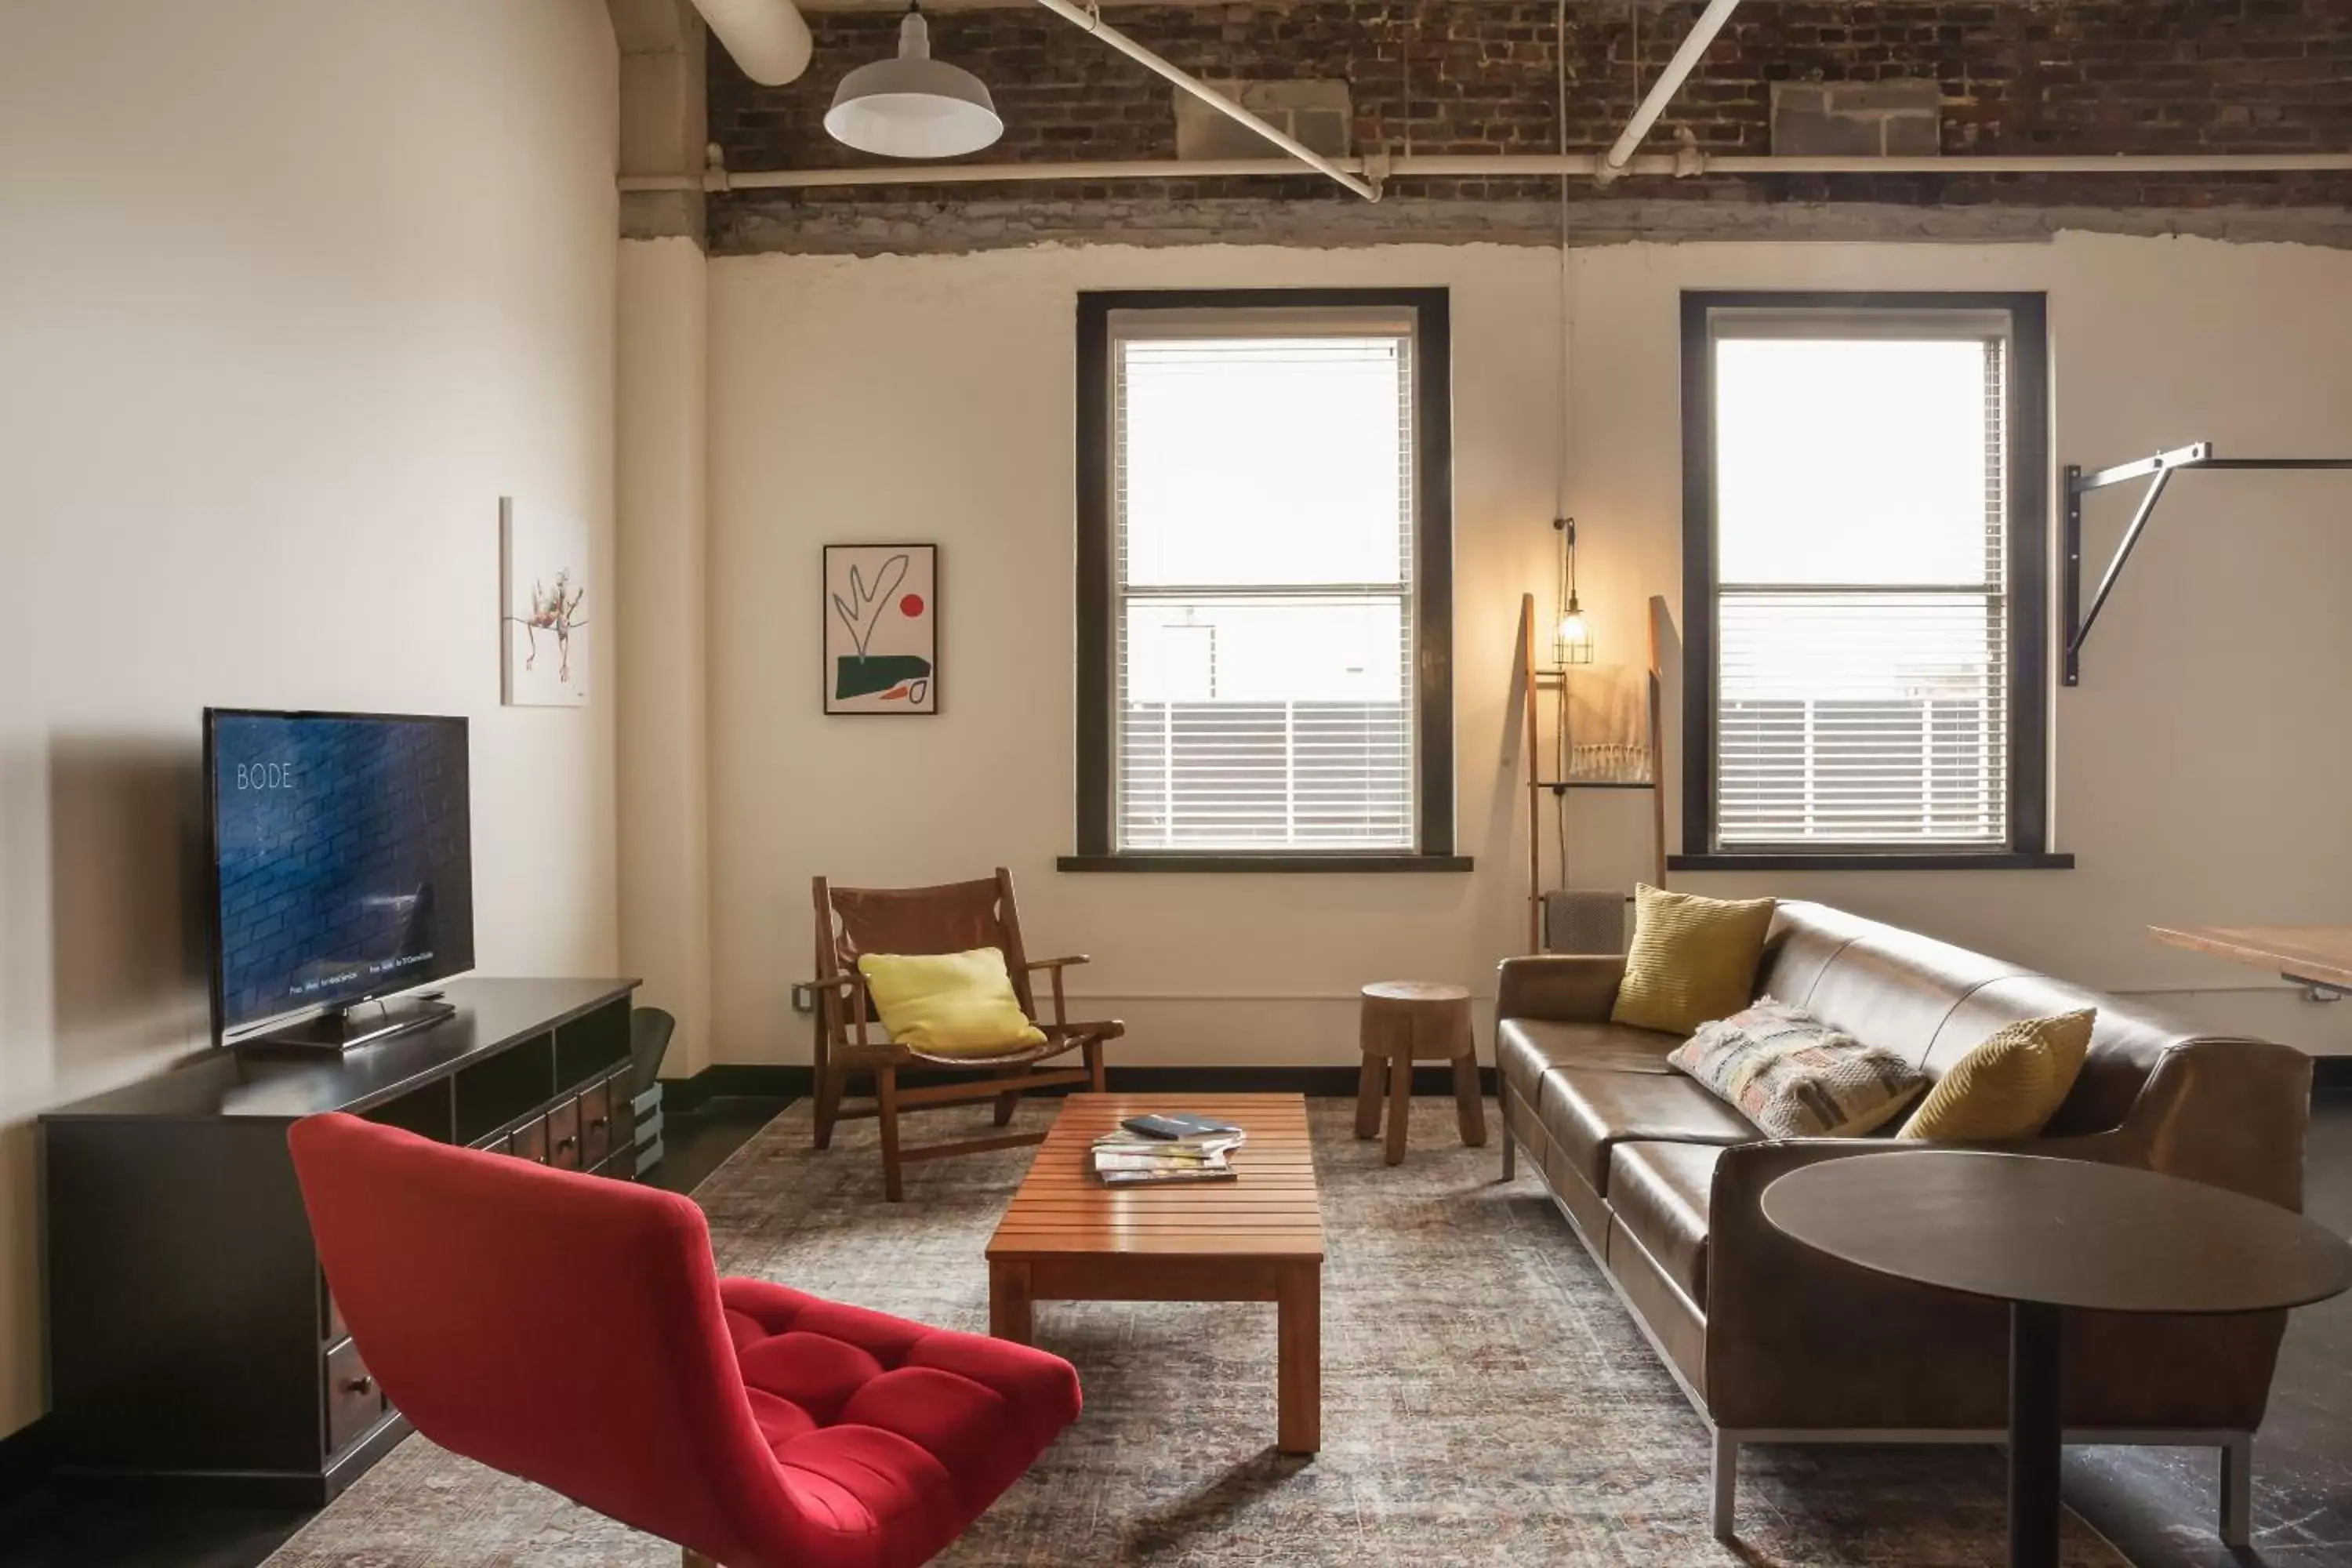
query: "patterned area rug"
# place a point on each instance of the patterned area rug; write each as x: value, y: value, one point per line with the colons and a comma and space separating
x: 1486, y: 1399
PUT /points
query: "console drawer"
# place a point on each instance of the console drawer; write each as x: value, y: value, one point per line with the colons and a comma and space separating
x: 563, y: 1135
x: 354, y: 1402
x: 529, y: 1140
x: 595, y: 1124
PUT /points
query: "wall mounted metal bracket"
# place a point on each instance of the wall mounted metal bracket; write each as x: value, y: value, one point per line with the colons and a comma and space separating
x: 2157, y: 470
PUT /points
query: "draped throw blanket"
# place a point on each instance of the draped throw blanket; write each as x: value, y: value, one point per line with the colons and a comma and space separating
x: 1606, y: 723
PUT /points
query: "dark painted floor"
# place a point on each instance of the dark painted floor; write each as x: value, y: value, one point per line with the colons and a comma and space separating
x: 2158, y: 1505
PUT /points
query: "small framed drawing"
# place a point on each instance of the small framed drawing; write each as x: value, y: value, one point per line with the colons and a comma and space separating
x: 543, y: 606
x: 881, y: 628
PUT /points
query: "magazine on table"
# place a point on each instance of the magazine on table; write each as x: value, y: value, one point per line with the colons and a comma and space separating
x: 1124, y: 1157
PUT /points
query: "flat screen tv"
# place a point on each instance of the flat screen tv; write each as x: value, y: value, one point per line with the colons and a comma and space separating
x: 342, y: 871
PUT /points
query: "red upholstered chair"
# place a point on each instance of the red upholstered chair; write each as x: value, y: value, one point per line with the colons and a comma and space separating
x: 572, y: 1330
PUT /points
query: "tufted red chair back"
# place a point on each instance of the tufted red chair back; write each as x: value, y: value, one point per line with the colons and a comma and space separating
x: 561, y: 1328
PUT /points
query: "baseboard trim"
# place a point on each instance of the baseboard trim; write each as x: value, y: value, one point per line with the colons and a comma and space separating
x: 2331, y: 1072
x: 26, y: 1456
x: 746, y: 1080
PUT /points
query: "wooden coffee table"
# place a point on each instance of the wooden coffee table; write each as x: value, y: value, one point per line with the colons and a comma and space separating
x: 1259, y: 1237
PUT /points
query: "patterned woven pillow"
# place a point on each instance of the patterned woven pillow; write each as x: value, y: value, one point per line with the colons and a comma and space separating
x: 1795, y: 1076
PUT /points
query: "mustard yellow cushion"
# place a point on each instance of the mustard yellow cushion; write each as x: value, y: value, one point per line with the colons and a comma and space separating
x: 2008, y: 1086
x: 1693, y: 960
x: 949, y: 1003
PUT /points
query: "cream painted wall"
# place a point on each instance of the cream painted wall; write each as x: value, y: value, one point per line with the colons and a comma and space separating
x: 290, y: 294
x: 931, y: 398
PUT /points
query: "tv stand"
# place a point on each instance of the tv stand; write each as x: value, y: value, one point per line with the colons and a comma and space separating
x: 346, y: 1027
x: 192, y: 1337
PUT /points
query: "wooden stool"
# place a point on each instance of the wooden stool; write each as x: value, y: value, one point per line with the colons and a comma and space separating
x: 1406, y: 1021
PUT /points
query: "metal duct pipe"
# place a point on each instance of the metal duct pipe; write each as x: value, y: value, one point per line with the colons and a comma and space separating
x: 767, y: 38
x: 1093, y: 23
x: 1710, y: 22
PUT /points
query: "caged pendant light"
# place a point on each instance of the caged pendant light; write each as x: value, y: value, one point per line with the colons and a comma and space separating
x: 1572, y: 635
x: 913, y: 106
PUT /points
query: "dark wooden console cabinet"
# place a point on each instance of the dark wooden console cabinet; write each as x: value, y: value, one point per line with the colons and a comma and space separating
x: 191, y: 1333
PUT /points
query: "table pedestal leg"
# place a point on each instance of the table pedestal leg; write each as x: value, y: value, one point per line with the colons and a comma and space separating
x: 2036, y: 1360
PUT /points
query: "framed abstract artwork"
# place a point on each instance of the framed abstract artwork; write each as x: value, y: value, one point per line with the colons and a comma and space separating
x: 881, y: 628
x: 543, y: 606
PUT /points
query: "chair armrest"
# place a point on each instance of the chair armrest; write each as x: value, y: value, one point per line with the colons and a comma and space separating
x: 851, y: 985
x: 1566, y: 988
x: 1060, y: 1008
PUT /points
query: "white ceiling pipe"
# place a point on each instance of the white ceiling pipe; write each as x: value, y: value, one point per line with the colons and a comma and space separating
x: 2038, y: 163
x: 991, y: 173
x: 1094, y: 24
x: 767, y: 38
x: 1710, y: 22
x: 1501, y: 166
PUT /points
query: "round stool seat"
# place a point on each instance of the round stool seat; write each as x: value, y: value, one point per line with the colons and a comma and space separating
x: 1404, y: 1021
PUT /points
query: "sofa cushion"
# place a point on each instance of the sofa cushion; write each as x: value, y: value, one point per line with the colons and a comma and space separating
x: 1795, y: 1076
x: 1691, y: 958
x: 1588, y: 1110
x: 1658, y: 1193
x: 2009, y: 1085
x: 1526, y: 1048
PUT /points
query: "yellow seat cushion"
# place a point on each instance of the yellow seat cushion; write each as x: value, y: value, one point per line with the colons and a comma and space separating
x: 949, y: 1003
x: 1693, y: 960
x: 2009, y: 1086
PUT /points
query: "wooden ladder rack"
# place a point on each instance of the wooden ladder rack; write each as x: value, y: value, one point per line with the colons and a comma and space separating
x: 1538, y: 678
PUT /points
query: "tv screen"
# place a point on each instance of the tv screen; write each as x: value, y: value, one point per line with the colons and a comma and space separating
x: 343, y: 856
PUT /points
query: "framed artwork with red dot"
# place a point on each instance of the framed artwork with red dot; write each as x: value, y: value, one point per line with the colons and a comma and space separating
x: 881, y: 609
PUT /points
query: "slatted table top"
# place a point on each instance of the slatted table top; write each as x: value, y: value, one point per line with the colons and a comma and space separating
x: 1269, y: 1211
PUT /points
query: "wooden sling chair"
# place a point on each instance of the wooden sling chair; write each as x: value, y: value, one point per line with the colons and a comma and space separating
x: 954, y: 917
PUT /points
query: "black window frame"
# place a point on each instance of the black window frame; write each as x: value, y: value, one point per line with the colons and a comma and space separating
x: 2028, y: 588
x: 1432, y: 586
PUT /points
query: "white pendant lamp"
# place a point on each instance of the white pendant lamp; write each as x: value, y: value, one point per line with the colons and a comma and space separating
x: 913, y: 106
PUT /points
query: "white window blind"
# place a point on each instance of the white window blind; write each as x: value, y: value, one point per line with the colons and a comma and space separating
x: 1861, y: 617
x: 1263, y: 502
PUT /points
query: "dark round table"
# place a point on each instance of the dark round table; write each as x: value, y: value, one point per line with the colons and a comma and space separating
x: 2045, y: 1234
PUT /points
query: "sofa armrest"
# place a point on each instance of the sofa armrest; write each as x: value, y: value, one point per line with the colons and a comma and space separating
x: 2229, y: 1112
x: 1566, y: 988
x: 1797, y: 1339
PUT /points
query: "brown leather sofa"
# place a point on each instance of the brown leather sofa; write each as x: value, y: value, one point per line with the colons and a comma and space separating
x: 1775, y: 1343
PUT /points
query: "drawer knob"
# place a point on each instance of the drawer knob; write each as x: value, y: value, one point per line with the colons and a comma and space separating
x: 565, y: 1142
x: 598, y: 1123
x: 362, y: 1385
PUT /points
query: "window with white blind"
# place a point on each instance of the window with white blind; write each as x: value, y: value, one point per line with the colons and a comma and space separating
x: 1865, y: 567
x: 1259, y: 517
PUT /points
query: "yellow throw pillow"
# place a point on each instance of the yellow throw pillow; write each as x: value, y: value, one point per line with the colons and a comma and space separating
x: 2009, y: 1086
x: 1693, y: 960
x: 949, y: 1003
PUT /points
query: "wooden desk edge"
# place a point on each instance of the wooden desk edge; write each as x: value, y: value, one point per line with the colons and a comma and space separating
x: 2212, y: 941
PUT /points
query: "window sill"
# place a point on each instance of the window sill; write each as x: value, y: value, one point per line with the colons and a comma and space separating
x: 1896, y: 860
x: 1269, y: 862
